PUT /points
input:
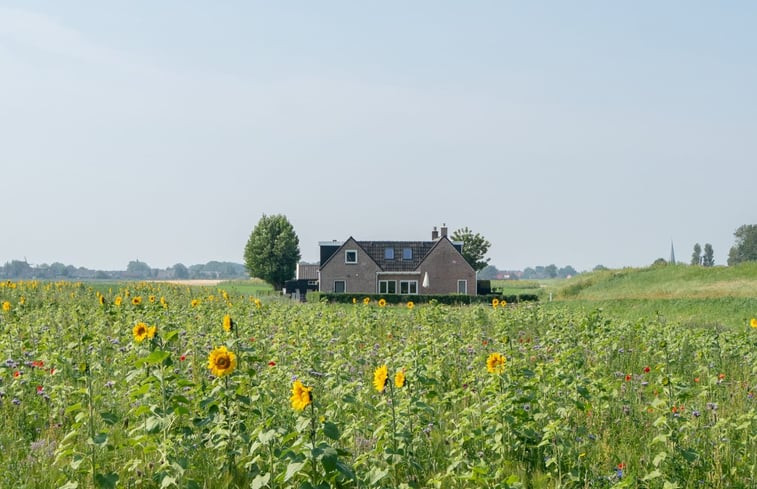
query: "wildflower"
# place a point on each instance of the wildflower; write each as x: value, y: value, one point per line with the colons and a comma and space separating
x: 221, y: 361
x: 753, y: 323
x: 300, y: 396
x: 136, y: 300
x: 379, y: 378
x: 646, y: 369
x: 399, y: 379
x: 495, y: 363
x: 696, y: 379
x: 17, y: 374
x: 183, y: 358
x: 38, y: 363
x: 228, y: 324
x: 628, y: 378
x: 142, y: 331
x: 382, y: 302
x: 40, y: 390
x: 410, y: 304
x: 195, y: 302
x: 721, y: 376
x: 6, y: 306
x: 271, y: 363
x: 495, y: 303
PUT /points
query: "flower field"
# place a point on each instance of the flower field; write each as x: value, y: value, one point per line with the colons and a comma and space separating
x: 159, y: 386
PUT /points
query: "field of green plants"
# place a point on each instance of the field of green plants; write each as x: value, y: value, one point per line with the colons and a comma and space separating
x: 149, y: 386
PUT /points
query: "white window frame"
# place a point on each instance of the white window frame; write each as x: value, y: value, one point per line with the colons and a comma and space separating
x: 386, y: 283
x: 414, y: 283
x: 346, y: 254
x: 345, y: 286
x: 464, y: 283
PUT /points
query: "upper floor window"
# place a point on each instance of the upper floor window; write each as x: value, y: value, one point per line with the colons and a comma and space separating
x: 350, y: 256
x: 407, y: 253
x: 389, y: 253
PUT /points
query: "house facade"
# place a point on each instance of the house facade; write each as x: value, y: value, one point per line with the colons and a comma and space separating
x: 396, y: 267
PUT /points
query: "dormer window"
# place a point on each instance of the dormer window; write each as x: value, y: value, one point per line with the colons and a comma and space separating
x: 389, y: 253
x: 407, y: 253
x: 350, y: 256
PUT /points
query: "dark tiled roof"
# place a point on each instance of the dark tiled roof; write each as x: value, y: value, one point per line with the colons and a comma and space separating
x: 375, y: 250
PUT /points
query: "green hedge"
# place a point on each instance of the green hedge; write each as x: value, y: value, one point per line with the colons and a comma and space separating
x: 452, y: 299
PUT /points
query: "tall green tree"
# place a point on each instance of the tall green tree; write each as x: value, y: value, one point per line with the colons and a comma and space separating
x: 708, y: 259
x: 745, y: 248
x: 696, y: 256
x: 475, y: 247
x: 273, y: 250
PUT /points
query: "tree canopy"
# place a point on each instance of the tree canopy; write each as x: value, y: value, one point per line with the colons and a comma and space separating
x: 745, y: 248
x: 273, y: 250
x: 475, y: 247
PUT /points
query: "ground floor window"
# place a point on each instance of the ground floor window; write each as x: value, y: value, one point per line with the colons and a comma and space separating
x: 462, y: 287
x: 408, y: 286
x: 387, y: 287
x: 340, y: 287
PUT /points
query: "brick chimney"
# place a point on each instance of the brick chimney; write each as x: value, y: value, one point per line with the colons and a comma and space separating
x: 444, y: 230
x: 434, y: 234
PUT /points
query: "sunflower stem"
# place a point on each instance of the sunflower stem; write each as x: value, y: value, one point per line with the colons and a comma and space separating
x: 312, y: 443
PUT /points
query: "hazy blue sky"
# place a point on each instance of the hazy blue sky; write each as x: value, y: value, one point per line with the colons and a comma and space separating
x: 574, y: 133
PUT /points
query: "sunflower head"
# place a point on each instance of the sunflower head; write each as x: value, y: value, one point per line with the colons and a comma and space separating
x: 101, y: 298
x: 195, y: 302
x: 117, y: 301
x: 228, y: 324
x: 753, y: 323
x: 495, y: 363
x: 366, y: 300
x: 399, y: 379
x: 495, y: 303
x: 142, y: 331
x: 6, y: 306
x: 222, y: 361
x: 136, y: 300
x: 300, y: 396
x: 382, y: 302
x: 410, y: 304
x: 379, y: 378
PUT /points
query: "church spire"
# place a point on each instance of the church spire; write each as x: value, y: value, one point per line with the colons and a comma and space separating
x: 672, y: 254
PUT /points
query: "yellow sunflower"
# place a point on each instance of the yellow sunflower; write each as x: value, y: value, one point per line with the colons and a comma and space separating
x: 379, y: 378
x: 382, y: 302
x: 117, y: 301
x: 195, y: 302
x: 503, y: 303
x: 410, y: 304
x: 163, y: 302
x: 228, y: 324
x: 399, y: 378
x: 142, y: 331
x: 6, y: 306
x: 222, y: 361
x: 136, y: 300
x: 300, y: 396
x: 151, y: 298
x: 102, y: 300
x: 495, y: 363
x: 753, y: 323
x: 366, y: 300
x: 495, y: 303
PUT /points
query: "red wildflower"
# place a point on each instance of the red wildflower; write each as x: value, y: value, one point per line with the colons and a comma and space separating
x: 40, y: 389
x: 38, y: 363
x: 52, y: 371
x: 721, y: 376
x: 646, y: 369
x: 628, y: 378
x: 252, y: 340
x: 621, y: 466
x: 696, y: 379
x: 183, y: 357
x: 16, y: 374
x: 271, y: 363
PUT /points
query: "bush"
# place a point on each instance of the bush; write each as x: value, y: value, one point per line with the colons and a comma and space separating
x: 451, y: 299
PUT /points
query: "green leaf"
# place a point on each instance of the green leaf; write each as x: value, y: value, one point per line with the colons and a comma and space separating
x: 69, y: 485
x: 110, y: 418
x: 292, y: 469
x: 345, y: 470
x: 167, y: 337
x: 168, y: 481
x: 107, y: 481
x: 260, y: 480
x: 156, y: 357
x: 652, y: 475
x: 100, y: 439
x: 376, y: 474
x: 329, y: 459
x: 659, y: 458
x: 331, y: 430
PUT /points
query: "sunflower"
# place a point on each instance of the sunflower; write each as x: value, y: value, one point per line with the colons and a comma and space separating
x: 300, y: 396
x: 6, y: 306
x: 142, y: 331
x: 495, y: 303
x: 753, y: 323
x: 354, y: 300
x: 117, y: 301
x: 102, y: 300
x: 366, y: 300
x: 195, y: 302
x: 222, y: 361
x: 151, y: 298
x: 495, y: 364
x: 382, y: 302
x: 410, y: 304
x: 163, y: 302
x: 399, y: 379
x: 379, y: 378
x: 136, y: 300
x: 228, y: 324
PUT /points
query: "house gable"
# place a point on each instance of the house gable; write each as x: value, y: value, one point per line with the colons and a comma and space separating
x: 358, y: 277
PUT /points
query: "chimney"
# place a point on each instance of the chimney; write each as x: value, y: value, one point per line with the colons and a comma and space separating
x: 444, y: 230
x: 434, y: 234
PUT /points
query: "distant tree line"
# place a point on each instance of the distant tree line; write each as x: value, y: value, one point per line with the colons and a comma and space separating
x: 135, y: 270
x: 490, y: 272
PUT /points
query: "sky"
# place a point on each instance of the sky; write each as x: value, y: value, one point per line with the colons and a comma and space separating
x: 568, y: 133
